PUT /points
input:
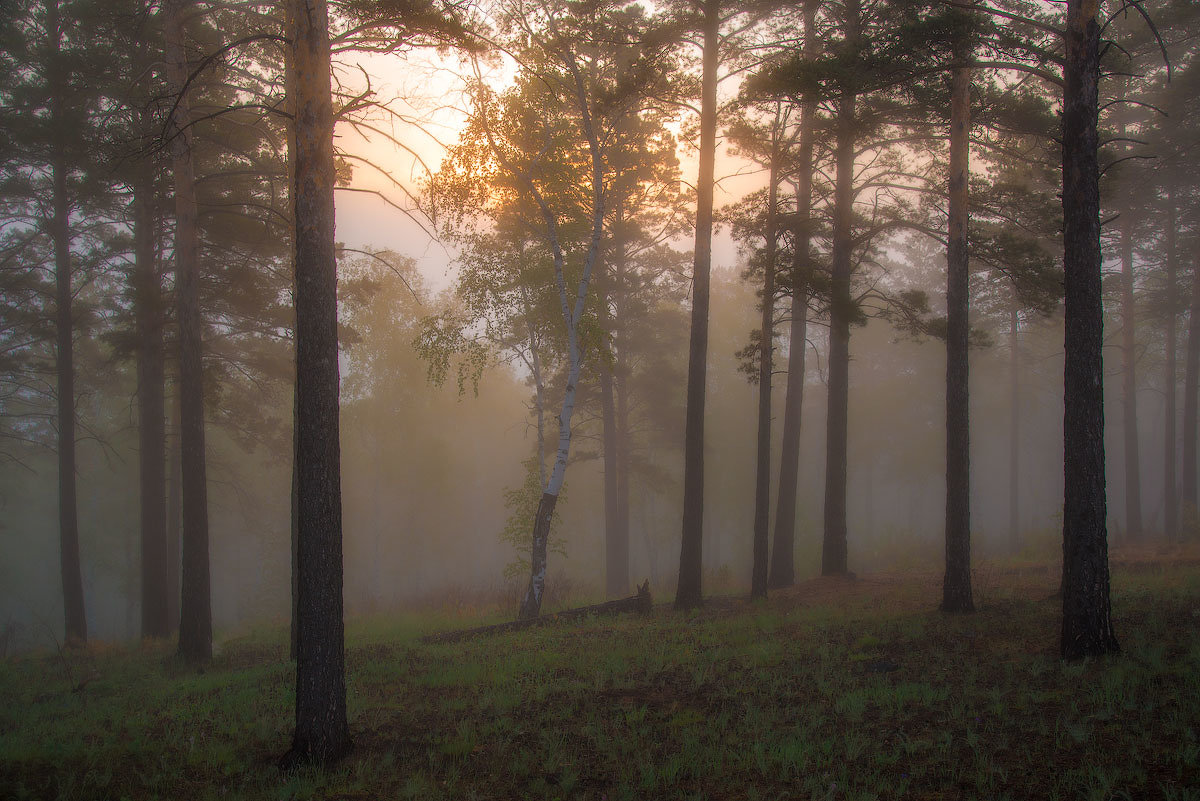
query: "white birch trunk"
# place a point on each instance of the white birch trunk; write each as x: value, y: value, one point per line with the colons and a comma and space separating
x: 532, y: 604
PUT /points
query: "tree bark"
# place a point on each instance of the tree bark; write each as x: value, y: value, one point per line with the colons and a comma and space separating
x: 783, y: 570
x: 572, y: 314
x: 1191, y: 384
x: 616, y: 540
x: 531, y: 604
x: 322, y: 734
x: 783, y: 552
x: 1133, y: 480
x: 623, y: 439
x: 834, y: 548
x: 642, y: 604
x: 616, y: 537
x: 68, y: 515
x: 289, y: 80
x: 616, y: 550
x: 1170, y: 487
x: 195, y: 618
x: 688, y: 593
x: 294, y: 508
x: 152, y: 438
x: 75, y: 618
x: 1087, y: 628
x: 956, y: 585
x: 1014, y: 430
x: 762, y: 487
x: 174, y: 522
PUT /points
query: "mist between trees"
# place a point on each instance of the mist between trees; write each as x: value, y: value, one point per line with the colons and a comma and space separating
x: 579, y: 293
x: 426, y: 470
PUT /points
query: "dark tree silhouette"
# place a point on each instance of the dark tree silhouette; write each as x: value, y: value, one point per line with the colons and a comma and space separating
x: 841, y: 309
x: 195, y: 615
x: 688, y: 592
x: 783, y: 570
x: 956, y: 585
x: 152, y: 437
x: 1087, y: 628
x: 58, y: 226
x: 322, y: 734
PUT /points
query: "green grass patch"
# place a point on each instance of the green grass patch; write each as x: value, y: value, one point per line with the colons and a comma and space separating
x: 832, y: 691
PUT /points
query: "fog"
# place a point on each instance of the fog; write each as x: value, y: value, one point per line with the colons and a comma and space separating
x: 436, y: 504
x: 425, y: 471
x: 591, y: 399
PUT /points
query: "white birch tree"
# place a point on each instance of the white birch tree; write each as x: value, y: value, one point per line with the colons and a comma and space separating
x: 533, y: 169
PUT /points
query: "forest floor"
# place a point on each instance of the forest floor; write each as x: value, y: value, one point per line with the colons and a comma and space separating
x: 835, y: 689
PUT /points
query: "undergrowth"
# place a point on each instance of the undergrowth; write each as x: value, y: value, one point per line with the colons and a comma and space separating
x: 834, y: 690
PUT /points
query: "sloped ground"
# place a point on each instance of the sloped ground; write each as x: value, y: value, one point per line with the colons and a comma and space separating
x: 836, y: 688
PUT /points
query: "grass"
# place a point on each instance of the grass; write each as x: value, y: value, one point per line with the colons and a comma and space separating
x: 833, y: 690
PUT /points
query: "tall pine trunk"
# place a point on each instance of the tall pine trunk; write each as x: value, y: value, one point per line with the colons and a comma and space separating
x: 1087, y: 628
x: 1133, y: 480
x: 616, y: 536
x: 294, y: 508
x: 1191, y: 385
x: 621, y: 394
x: 152, y: 438
x: 289, y: 82
x: 956, y: 585
x: 174, y: 522
x: 834, y: 549
x: 75, y: 618
x: 68, y: 514
x: 688, y: 592
x: 783, y: 550
x: 322, y: 734
x: 195, y: 617
x: 762, y: 486
x: 624, y: 464
x: 1170, y: 488
x: 783, y: 570
x: 1014, y: 430
x: 616, y: 547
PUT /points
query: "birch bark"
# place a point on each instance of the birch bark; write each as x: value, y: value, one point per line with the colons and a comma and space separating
x: 572, y: 314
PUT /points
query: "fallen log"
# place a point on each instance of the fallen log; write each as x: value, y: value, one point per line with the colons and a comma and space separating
x: 640, y: 603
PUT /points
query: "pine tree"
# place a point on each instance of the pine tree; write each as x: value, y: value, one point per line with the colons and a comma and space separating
x: 51, y: 193
x: 766, y: 140
x: 783, y: 548
x: 195, y: 621
x: 688, y: 592
x: 956, y: 585
x: 322, y: 734
x: 713, y: 20
x: 1087, y: 628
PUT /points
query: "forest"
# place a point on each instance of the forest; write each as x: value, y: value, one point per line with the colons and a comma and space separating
x: 599, y: 399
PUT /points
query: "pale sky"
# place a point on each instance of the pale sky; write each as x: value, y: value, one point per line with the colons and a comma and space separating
x: 430, y: 92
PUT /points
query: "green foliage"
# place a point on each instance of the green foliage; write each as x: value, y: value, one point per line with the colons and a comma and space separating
x: 398, y: 25
x: 522, y: 504
x: 444, y: 344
